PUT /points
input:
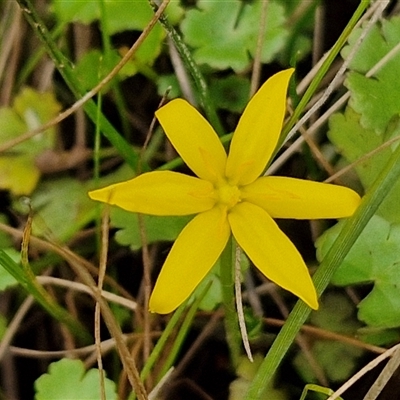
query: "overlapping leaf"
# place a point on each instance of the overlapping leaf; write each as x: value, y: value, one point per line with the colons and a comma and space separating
x: 224, y: 36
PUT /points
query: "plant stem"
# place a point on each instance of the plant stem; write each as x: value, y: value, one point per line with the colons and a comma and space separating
x: 231, y: 319
x: 182, y: 334
x: 155, y: 354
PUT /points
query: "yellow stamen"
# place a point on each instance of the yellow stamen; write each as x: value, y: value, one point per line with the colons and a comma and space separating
x: 228, y: 195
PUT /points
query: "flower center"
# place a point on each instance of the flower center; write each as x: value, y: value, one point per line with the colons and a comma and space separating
x: 228, y: 195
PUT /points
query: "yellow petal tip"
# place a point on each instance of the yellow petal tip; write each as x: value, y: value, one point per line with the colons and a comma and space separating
x: 103, y: 195
x: 310, y: 298
x: 160, y: 307
x: 314, y: 304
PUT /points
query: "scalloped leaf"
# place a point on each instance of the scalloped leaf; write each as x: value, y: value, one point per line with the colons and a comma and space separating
x: 94, y: 65
x: 371, y: 119
x: 353, y: 141
x: 121, y: 15
x: 225, y: 37
x: 373, y: 259
x: 67, y: 379
x: 375, y: 98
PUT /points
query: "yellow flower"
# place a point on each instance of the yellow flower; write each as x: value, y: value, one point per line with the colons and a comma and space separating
x: 229, y: 197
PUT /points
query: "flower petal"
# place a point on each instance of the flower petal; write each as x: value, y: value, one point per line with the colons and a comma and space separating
x: 194, y: 139
x: 271, y: 251
x: 159, y: 193
x: 294, y: 198
x: 257, y: 133
x: 193, y: 254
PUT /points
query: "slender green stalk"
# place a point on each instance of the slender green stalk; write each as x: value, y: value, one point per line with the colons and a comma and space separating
x: 104, y: 28
x: 349, y: 234
x: 65, y: 68
x: 323, y: 69
x: 158, y: 348
x: 183, y: 331
x: 31, y: 63
x: 231, y: 319
x: 206, y: 101
x: 119, y: 98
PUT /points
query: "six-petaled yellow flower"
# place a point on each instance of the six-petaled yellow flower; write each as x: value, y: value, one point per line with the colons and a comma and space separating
x: 229, y: 196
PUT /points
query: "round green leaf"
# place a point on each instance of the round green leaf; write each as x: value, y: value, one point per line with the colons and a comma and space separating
x: 67, y: 379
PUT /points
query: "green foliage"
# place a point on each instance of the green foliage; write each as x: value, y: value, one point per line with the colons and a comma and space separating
x: 7, y: 279
x: 371, y: 120
x: 336, y: 315
x: 31, y: 109
x: 213, y: 297
x: 155, y: 228
x: 170, y: 83
x: 374, y: 258
x: 95, y: 65
x: 3, y: 326
x: 63, y: 207
x: 230, y: 93
x: 376, y: 98
x: 119, y: 16
x: 67, y: 379
x: 354, y: 141
x: 223, y: 37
